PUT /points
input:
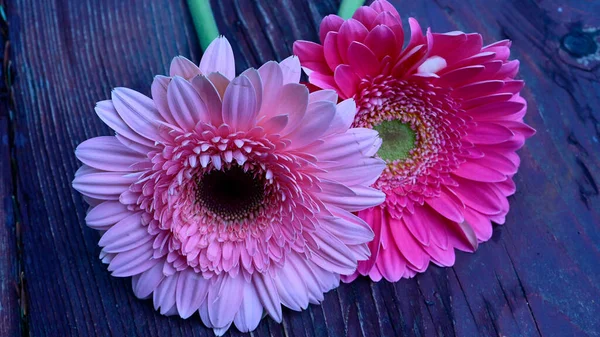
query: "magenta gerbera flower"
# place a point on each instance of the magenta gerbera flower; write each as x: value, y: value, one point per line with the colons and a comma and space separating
x: 226, y: 196
x: 451, y: 118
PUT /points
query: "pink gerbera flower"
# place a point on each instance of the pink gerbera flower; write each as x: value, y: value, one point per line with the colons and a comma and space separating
x: 224, y: 195
x: 451, y: 118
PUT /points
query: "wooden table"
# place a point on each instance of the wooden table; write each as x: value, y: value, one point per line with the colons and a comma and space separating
x: 539, y: 274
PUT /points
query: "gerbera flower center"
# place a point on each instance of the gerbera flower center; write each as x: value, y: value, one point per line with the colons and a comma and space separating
x: 398, y: 140
x: 232, y: 193
x: 421, y: 129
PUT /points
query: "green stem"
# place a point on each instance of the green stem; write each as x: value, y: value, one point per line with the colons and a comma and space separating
x: 348, y: 7
x: 204, y: 21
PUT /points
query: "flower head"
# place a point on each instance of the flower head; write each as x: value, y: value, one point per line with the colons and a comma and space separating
x: 224, y: 195
x: 451, y: 118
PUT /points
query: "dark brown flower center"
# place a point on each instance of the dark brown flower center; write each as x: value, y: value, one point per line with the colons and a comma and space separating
x: 231, y: 193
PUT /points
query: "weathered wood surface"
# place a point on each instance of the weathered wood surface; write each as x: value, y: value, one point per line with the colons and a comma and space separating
x: 538, y: 276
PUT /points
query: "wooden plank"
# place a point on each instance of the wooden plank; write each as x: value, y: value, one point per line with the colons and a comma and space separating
x: 537, y: 276
x: 10, y: 285
x: 9, y: 300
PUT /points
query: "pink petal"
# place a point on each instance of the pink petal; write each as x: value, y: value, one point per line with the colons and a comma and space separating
x: 293, y: 99
x: 185, y: 104
x: 181, y: 66
x: 250, y: 313
x: 218, y: 57
x: 267, y: 293
x: 478, y: 89
x: 347, y: 227
x: 224, y: 299
x: 159, y: 96
x: 240, y: 104
x: 291, y: 69
x: 460, y: 76
x: 276, y: 124
x: 480, y: 224
x: 336, y: 147
x: 107, y: 153
x: 210, y: 96
x: 395, y: 24
x: 323, y: 95
x: 363, y: 171
x: 332, y: 254
x: 145, y: 283
x: 109, y: 115
x: 133, y: 262
x: 220, y: 83
x: 191, y: 291
x: 271, y: 77
x: 102, y: 185
x: 106, y: 214
x: 344, y: 117
x: 364, y: 197
x: 383, y: 6
x: 497, y: 111
x: 164, y: 295
x: 316, y: 121
x: 125, y: 235
x: 291, y: 288
x: 138, y: 112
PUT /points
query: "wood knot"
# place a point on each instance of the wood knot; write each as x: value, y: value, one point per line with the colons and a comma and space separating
x: 579, y: 44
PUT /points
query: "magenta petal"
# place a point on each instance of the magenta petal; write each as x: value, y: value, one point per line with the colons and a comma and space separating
x: 347, y: 80
x: 330, y: 23
x: 362, y: 60
x: 382, y: 41
x: 366, y: 15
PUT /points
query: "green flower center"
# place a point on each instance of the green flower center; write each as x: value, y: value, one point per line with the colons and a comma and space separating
x: 398, y: 139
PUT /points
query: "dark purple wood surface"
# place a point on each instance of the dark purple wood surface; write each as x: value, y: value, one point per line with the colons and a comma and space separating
x: 538, y: 276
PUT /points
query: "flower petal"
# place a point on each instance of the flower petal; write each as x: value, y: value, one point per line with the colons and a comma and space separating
x: 107, y: 153
x: 218, y: 57
x: 240, y: 104
x: 191, y: 291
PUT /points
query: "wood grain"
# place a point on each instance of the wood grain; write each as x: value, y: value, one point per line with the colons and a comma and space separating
x: 538, y: 276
